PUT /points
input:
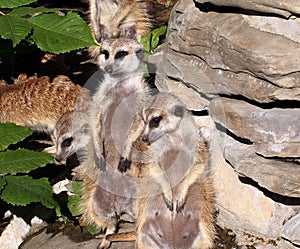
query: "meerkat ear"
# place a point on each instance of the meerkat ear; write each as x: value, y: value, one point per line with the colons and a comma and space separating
x: 178, y: 110
x: 104, y: 33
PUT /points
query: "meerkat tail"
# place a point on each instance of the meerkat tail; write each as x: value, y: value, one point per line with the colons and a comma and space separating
x: 122, y: 237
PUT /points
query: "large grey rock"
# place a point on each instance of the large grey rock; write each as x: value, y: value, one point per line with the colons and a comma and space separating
x: 253, y: 217
x: 291, y: 230
x: 274, y: 132
x: 274, y: 175
x: 281, y: 7
x: 233, y: 54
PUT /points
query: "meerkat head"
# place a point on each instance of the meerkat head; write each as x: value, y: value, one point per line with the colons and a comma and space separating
x: 121, y: 56
x: 69, y: 136
x: 162, y: 117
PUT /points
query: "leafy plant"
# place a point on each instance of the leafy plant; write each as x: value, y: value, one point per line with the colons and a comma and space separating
x: 151, y: 40
x: 16, y: 186
x: 49, y: 28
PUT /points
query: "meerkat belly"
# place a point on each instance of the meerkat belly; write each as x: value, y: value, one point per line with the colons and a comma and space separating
x: 189, y: 229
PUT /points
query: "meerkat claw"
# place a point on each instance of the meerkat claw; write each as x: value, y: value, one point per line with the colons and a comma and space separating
x: 124, y: 165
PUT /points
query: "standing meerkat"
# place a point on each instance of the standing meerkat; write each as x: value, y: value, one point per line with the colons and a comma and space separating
x: 108, y: 195
x: 176, y: 153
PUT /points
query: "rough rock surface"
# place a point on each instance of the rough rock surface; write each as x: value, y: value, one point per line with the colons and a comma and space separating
x: 240, y: 61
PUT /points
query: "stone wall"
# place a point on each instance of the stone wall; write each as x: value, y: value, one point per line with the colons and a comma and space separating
x: 240, y: 61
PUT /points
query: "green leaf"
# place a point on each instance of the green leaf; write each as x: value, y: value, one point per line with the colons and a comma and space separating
x: 156, y: 33
x: 29, y: 11
x: 14, y: 27
x: 59, y: 34
x: 14, y: 3
x: 23, y: 190
x: 93, y: 229
x: 75, y: 199
x: 11, y: 134
x: 74, y: 205
x: 2, y: 183
x: 22, y: 161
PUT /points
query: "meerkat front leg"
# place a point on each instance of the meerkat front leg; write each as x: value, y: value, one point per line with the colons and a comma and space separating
x: 134, y: 133
x: 153, y: 170
x: 188, y: 180
x: 105, y: 243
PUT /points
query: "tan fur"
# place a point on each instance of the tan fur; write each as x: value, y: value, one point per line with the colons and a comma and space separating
x: 192, y: 228
x: 37, y: 102
x: 70, y: 134
x: 117, y: 18
x: 121, y: 237
x: 108, y: 195
x: 177, y: 156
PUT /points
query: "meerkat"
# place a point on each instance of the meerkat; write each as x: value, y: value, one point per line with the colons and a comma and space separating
x: 70, y: 134
x: 37, y: 102
x: 108, y: 195
x: 117, y: 18
x: 176, y: 153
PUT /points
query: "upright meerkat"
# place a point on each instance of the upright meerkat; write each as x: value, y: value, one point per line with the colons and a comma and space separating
x: 37, y: 102
x: 108, y: 195
x: 176, y: 153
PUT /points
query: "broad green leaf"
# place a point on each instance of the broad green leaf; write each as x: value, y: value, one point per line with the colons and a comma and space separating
x: 93, y: 229
x: 75, y: 199
x: 74, y: 205
x: 22, y: 161
x: 14, y: 27
x: 14, y: 3
x: 59, y: 34
x: 2, y: 183
x: 77, y: 188
x: 156, y: 33
x: 11, y: 134
x: 24, y: 11
x: 23, y: 190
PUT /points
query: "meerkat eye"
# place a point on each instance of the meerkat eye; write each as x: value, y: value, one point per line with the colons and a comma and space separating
x: 154, y: 122
x: 105, y: 53
x: 121, y: 54
x: 67, y: 142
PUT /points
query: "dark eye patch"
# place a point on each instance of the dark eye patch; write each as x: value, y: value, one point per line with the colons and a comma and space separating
x: 67, y: 142
x: 106, y: 54
x: 154, y: 122
x: 121, y: 54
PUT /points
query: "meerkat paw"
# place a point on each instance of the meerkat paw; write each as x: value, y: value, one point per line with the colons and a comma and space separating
x: 104, y: 244
x: 169, y: 200
x: 124, y: 164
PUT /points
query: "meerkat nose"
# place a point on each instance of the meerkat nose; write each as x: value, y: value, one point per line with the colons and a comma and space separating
x: 145, y: 139
x: 108, y: 68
